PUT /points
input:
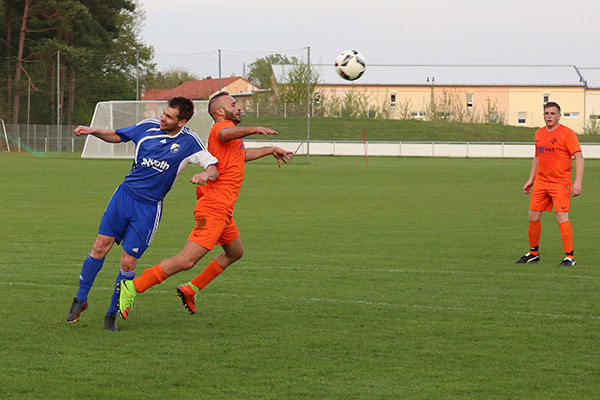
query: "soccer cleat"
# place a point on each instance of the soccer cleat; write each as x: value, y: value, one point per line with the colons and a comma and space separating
x: 77, y: 307
x: 528, y: 258
x: 110, y: 322
x: 567, y: 262
x: 188, y: 297
x: 127, y: 294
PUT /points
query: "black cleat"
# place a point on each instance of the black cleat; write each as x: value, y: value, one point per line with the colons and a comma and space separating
x: 567, y: 262
x: 110, y: 323
x: 528, y: 258
x: 76, y: 309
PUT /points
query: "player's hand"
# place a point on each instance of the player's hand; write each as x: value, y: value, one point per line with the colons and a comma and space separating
x: 200, y: 179
x: 83, y: 130
x: 575, y: 190
x: 282, y: 155
x: 261, y: 130
x: 527, y: 187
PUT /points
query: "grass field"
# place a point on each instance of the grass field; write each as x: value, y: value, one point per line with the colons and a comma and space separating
x: 350, y: 129
x: 395, y: 281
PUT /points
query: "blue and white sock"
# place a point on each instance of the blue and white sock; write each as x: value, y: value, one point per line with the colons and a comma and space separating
x: 89, y: 271
x: 115, y: 297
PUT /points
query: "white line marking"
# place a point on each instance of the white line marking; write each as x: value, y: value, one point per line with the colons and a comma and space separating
x: 355, y: 302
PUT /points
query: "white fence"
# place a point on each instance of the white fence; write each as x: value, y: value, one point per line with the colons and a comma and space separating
x: 416, y: 149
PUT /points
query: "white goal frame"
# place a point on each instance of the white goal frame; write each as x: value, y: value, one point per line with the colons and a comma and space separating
x: 121, y: 114
x: 5, y: 135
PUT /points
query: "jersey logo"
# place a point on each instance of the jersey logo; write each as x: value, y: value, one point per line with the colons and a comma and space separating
x: 163, y: 141
x: 175, y: 148
x: 158, y: 165
x: 135, y: 250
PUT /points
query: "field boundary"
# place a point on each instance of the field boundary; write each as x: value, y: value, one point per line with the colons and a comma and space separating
x: 416, y: 149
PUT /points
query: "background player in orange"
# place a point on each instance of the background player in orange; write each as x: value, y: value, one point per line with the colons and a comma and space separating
x: 555, y: 146
x: 214, y: 209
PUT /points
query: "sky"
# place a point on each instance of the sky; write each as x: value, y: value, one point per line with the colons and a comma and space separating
x: 188, y: 34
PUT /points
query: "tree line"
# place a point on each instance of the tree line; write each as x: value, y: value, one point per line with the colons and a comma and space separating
x: 63, y: 56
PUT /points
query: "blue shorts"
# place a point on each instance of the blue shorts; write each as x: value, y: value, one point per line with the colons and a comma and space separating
x: 130, y: 221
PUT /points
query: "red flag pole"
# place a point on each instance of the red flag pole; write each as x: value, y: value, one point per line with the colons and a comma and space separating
x: 365, y: 145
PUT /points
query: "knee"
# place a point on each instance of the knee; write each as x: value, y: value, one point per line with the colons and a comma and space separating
x: 128, y: 263
x: 101, y: 248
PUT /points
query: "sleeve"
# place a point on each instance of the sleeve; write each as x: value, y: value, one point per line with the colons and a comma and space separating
x: 137, y: 132
x: 573, y: 143
x: 203, y: 158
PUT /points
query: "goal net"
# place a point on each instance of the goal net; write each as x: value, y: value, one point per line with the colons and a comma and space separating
x: 121, y: 114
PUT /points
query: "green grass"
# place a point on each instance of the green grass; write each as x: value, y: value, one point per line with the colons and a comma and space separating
x: 395, y: 281
x: 350, y: 129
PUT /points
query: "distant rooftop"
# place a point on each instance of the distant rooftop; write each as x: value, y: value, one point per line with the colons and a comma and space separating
x: 456, y: 75
x: 592, y: 76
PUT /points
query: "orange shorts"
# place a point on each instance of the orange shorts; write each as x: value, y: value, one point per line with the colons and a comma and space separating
x: 213, y: 227
x: 543, y: 197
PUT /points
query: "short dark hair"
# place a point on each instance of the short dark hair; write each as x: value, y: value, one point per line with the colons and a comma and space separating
x: 551, y: 104
x: 184, y: 105
x: 213, y: 99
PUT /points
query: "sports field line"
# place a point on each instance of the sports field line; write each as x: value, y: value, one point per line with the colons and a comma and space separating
x: 562, y: 272
x: 468, y: 310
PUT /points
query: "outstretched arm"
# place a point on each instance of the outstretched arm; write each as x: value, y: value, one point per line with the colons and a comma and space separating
x: 277, y: 152
x: 238, y: 132
x: 108, y: 135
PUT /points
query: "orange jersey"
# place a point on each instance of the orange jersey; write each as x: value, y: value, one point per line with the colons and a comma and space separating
x: 223, y: 192
x: 554, y: 151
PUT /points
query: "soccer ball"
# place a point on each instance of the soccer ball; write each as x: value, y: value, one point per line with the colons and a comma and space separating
x: 350, y: 65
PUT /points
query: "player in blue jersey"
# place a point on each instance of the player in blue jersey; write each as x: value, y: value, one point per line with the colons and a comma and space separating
x: 163, y: 148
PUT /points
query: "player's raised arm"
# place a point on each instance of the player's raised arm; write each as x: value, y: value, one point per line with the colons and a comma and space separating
x: 108, y: 135
x: 239, y: 132
x: 277, y: 152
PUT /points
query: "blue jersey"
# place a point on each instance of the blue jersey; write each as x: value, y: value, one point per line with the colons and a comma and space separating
x: 159, y: 158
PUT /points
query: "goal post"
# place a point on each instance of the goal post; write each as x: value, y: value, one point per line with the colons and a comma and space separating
x: 121, y: 114
x: 4, y: 146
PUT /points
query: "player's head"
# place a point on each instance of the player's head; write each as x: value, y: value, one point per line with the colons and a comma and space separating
x: 223, y: 107
x: 184, y: 105
x: 551, y: 114
x: 176, y: 114
x: 552, y: 104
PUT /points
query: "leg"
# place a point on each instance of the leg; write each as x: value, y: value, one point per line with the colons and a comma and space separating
x: 127, y: 272
x: 534, y: 232
x: 91, y: 266
x: 566, y: 235
x: 232, y: 252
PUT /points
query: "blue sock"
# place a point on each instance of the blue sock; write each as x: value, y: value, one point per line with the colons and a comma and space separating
x: 89, y: 271
x: 115, y: 297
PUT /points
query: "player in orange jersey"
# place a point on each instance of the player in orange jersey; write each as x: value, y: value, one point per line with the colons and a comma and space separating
x: 555, y: 146
x: 214, y: 208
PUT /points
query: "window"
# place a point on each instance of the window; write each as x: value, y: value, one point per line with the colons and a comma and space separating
x: 571, y: 115
x: 418, y: 114
x: 393, y: 100
x: 546, y: 98
x: 522, y: 118
x: 594, y: 117
x: 469, y: 100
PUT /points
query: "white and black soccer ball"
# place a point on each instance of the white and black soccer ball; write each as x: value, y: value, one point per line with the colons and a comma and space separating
x: 350, y: 65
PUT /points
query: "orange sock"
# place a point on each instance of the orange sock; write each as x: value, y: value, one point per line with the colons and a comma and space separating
x: 534, y: 232
x: 148, y: 278
x: 212, y: 270
x: 566, y: 234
